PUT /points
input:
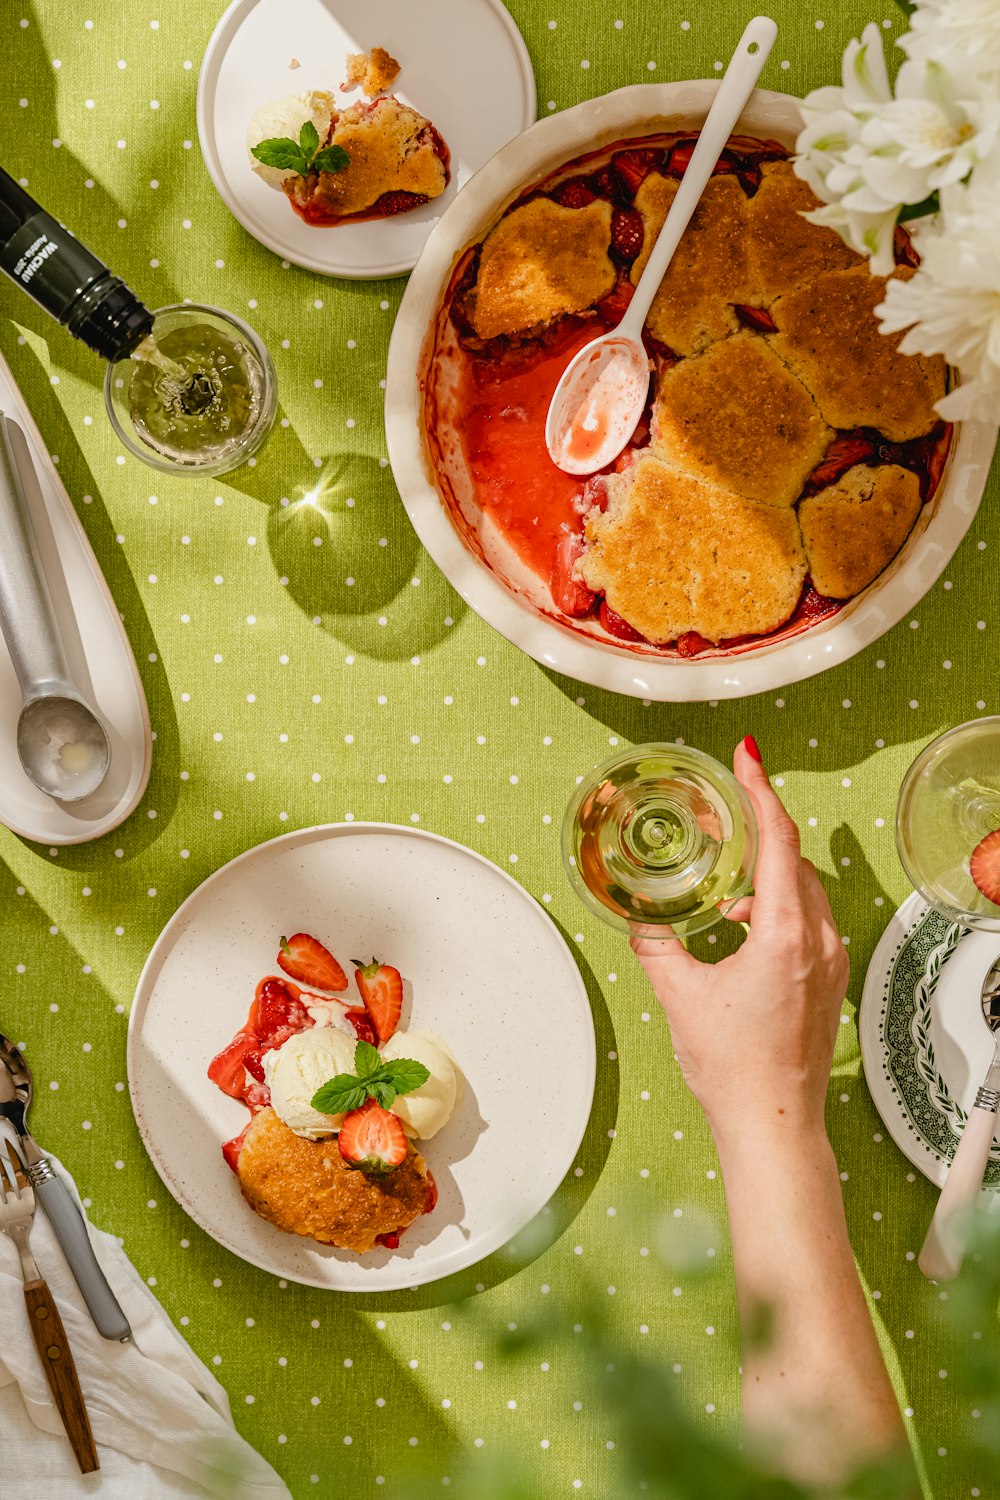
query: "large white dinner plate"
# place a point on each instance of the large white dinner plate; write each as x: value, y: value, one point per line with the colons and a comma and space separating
x: 924, y: 1043
x: 97, y: 649
x: 490, y: 974
x: 464, y: 66
x: 486, y: 572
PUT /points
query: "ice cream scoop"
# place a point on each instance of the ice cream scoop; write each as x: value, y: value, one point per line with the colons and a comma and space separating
x: 285, y: 118
x: 294, y: 1071
x: 61, y: 743
x: 425, y: 1110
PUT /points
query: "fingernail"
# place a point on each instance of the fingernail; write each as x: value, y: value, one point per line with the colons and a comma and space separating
x: 750, y: 746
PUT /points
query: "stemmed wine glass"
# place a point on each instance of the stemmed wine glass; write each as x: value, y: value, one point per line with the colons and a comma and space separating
x: 660, y: 835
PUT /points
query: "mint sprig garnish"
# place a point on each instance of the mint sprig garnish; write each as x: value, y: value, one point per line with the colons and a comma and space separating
x: 302, y: 156
x: 373, y: 1078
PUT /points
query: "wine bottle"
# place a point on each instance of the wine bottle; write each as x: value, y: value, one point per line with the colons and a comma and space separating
x: 65, y: 278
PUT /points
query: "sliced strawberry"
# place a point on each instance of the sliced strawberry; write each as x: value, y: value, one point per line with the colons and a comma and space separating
x: 254, y: 1066
x: 228, y: 1068
x: 231, y: 1149
x: 627, y: 235
x: 680, y: 156
x: 372, y: 1138
x: 755, y: 317
x: 569, y: 595
x: 633, y: 167
x: 984, y: 866
x: 814, y: 606
x: 256, y: 1096
x: 612, y: 307
x: 381, y: 988
x: 615, y: 625
x: 362, y: 1023
x: 605, y: 183
x: 305, y: 959
x: 574, y: 194
x: 692, y: 644
x: 276, y: 1008
x: 388, y: 1241
x: 397, y: 203
x: 844, y: 452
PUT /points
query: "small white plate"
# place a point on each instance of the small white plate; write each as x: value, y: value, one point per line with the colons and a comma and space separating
x: 464, y: 66
x: 97, y: 649
x: 924, y: 1043
x: 490, y: 974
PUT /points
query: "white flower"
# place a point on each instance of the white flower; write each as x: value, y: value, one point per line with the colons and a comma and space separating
x: 867, y: 153
x: 964, y: 35
x: 951, y: 305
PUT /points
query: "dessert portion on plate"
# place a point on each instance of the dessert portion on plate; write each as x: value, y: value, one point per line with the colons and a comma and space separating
x: 787, y: 449
x: 369, y: 161
x: 338, y: 1097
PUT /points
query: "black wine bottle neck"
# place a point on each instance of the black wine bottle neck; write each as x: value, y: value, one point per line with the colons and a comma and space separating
x: 64, y: 278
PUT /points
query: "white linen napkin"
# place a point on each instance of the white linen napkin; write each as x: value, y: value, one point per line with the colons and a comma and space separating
x: 160, y: 1419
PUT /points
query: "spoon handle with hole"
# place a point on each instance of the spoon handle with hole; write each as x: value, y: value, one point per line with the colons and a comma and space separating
x: 942, y: 1252
x: 27, y: 618
x: 752, y: 52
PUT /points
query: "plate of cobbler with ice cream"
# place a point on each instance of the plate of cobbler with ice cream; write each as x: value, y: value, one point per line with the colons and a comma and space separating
x: 361, y: 1057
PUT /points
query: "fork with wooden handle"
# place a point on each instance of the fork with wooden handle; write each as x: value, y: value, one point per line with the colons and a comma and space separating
x: 17, y: 1207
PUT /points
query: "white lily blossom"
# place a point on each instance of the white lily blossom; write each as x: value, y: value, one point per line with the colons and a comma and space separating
x: 951, y: 305
x: 964, y: 35
x: 867, y: 153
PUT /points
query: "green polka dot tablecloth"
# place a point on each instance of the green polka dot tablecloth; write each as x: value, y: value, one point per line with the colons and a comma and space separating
x: 324, y: 670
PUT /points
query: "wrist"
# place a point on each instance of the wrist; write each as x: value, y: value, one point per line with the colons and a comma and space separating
x: 791, y: 1142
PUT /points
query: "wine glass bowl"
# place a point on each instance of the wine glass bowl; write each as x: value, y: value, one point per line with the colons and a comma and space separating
x: 660, y: 836
x: 949, y: 802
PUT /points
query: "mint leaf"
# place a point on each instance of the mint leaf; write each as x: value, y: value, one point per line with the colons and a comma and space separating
x: 382, y: 1092
x: 309, y: 139
x: 366, y: 1060
x: 282, y: 152
x: 405, y: 1073
x: 330, y: 159
x: 340, y: 1095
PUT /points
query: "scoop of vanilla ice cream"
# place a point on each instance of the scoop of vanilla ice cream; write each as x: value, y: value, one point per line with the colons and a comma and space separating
x: 286, y: 117
x: 425, y: 1110
x: 294, y: 1071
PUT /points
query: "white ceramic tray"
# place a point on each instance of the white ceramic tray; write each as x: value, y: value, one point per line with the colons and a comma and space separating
x: 96, y: 646
x: 516, y: 602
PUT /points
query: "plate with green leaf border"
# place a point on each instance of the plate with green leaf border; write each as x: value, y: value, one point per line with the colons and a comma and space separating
x: 924, y: 1043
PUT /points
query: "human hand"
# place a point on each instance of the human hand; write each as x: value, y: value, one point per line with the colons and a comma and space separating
x: 754, y: 1033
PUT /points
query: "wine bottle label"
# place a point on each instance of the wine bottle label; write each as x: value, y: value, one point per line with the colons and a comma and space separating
x: 50, y: 264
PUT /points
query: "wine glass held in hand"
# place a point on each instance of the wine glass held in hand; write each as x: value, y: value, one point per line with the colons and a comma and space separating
x: 660, y: 835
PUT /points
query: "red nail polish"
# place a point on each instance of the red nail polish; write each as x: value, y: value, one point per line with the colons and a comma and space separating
x: 750, y: 746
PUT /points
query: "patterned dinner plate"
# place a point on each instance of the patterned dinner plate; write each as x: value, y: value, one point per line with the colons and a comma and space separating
x: 489, y: 972
x: 924, y: 1043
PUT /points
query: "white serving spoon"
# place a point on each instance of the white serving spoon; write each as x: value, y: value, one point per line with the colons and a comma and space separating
x: 602, y: 393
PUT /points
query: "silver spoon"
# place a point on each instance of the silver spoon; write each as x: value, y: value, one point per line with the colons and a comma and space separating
x: 61, y: 743
x: 941, y: 1255
x: 602, y: 392
x: 62, y: 1213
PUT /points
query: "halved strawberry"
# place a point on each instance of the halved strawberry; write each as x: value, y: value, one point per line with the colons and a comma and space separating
x: 846, y: 450
x: 568, y: 593
x: 574, y: 194
x: 381, y: 988
x: 277, y: 1007
x: 362, y: 1023
x: 372, y: 1138
x: 231, y: 1149
x: 692, y: 644
x: 228, y: 1068
x: 984, y: 866
x: 757, y: 318
x: 305, y: 959
x: 633, y: 167
x: 627, y: 234
x: 814, y: 606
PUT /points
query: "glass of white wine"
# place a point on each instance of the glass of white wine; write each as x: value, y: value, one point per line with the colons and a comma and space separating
x: 948, y: 824
x: 662, y: 836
